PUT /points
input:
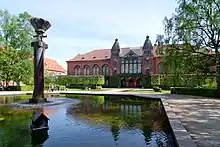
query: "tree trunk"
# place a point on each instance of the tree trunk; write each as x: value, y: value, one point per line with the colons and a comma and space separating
x: 218, y: 73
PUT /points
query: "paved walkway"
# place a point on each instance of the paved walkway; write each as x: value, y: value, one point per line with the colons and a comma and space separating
x: 200, y: 117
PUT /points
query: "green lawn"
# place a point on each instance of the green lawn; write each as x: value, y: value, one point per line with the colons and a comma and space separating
x: 148, y: 91
x: 78, y: 89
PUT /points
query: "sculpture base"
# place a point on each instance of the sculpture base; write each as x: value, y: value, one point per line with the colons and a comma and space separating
x: 38, y: 100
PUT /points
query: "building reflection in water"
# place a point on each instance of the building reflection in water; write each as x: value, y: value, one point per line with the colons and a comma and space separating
x: 120, y: 115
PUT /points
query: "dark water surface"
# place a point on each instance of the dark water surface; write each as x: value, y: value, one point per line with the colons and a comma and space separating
x: 88, y: 121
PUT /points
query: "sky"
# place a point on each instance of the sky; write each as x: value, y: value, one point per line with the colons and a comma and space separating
x: 79, y: 26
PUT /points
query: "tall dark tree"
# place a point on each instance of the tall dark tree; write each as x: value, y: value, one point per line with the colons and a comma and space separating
x: 196, y: 25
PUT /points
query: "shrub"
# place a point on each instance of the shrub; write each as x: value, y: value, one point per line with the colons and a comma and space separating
x: 114, y: 81
x: 206, y: 92
x: 81, y: 80
x: 184, y: 80
x: 157, y: 89
x: 27, y: 88
x: 61, y: 87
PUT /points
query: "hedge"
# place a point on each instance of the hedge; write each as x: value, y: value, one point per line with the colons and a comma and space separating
x: 185, y: 80
x: 146, y: 81
x: 81, y: 80
x: 27, y: 88
x: 206, y: 92
x: 114, y: 81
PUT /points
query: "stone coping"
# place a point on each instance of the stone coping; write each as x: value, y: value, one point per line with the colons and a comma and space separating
x: 181, y: 135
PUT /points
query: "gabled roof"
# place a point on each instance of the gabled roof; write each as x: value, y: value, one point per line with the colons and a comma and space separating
x: 102, y: 54
x: 53, y: 65
x: 136, y: 50
x: 99, y: 54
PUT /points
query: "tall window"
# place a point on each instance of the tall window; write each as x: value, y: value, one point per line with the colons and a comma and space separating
x: 95, y: 70
x: 139, y: 66
x: 135, y: 67
x: 86, y: 70
x: 105, y: 70
x: 160, y: 68
x: 77, y: 70
x: 131, y: 66
x: 122, y: 67
x: 126, y: 67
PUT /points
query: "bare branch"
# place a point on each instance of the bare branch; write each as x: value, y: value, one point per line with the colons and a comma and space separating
x: 218, y: 6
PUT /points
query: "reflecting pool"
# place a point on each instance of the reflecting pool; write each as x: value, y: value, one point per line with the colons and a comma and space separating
x: 88, y: 121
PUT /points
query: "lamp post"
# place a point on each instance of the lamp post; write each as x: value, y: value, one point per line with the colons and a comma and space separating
x: 41, y: 26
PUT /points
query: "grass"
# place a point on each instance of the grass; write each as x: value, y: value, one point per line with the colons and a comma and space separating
x: 148, y: 91
x: 78, y: 89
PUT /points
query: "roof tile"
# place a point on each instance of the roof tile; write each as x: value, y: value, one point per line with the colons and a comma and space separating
x: 52, y: 65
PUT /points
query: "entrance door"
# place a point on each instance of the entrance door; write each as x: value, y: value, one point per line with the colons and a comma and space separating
x: 123, y: 82
x: 131, y: 83
x: 138, y: 83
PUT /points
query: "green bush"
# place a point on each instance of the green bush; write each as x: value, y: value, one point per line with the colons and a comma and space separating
x: 27, y: 88
x: 114, y: 81
x: 146, y: 81
x: 157, y: 89
x: 206, y: 92
x: 81, y: 80
x: 186, y: 80
x: 61, y: 87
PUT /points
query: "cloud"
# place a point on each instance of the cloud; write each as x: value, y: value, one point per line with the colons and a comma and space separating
x: 78, y: 26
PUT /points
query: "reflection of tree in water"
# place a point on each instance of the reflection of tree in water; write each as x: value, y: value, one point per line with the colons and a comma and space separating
x: 147, y: 133
x: 115, y: 129
x: 16, y: 132
x: 123, y: 114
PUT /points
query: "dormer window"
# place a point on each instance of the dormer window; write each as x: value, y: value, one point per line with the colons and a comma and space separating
x: 106, y: 56
x: 82, y: 58
x: 93, y: 57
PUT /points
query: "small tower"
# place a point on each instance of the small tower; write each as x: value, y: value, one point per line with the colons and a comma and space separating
x: 147, y: 57
x: 147, y: 48
x: 115, y: 49
x: 115, y: 57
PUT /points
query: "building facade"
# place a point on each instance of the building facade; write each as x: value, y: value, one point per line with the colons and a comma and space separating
x: 53, y: 67
x: 129, y: 64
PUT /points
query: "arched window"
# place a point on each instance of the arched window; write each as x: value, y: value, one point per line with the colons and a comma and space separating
x: 160, y: 68
x: 105, y: 70
x: 95, y: 70
x: 77, y: 70
x: 86, y: 70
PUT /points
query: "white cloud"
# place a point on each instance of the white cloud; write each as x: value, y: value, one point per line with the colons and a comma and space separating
x: 79, y: 26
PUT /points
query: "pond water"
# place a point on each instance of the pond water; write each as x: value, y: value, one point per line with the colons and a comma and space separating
x: 88, y: 121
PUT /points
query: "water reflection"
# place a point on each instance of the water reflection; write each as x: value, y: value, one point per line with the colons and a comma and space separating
x: 95, y: 121
x: 39, y: 137
x: 145, y: 117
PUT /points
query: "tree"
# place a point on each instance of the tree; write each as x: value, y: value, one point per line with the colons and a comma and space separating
x: 196, y: 26
x: 16, y: 35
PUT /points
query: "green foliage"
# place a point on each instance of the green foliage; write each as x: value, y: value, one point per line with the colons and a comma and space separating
x: 16, y: 35
x: 27, y: 88
x: 206, y: 92
x: 114, y: 81
x: 196, y: 27
x: 81, y: 80
x: 188, y: 80
x: 146, y: 81
x: 49, y: 79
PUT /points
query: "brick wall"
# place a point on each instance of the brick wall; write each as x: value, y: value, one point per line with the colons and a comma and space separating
x: 71, y: 66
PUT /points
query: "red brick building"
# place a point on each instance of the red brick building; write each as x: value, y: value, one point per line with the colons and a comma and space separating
x: 130, y: 64
x: 53, y: 67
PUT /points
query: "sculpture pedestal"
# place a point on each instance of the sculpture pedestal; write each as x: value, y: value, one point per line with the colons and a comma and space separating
x: 38, y: 100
